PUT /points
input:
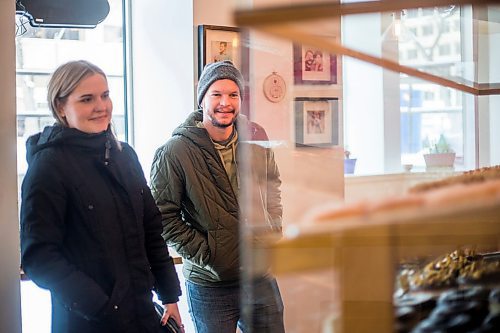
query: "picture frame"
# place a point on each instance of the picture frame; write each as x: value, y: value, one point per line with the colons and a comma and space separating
x: 308, y: 70
x: 216, y: 43
x: 317, y: 122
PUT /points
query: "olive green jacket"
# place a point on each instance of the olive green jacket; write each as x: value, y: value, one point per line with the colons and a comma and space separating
x: 200, y: 211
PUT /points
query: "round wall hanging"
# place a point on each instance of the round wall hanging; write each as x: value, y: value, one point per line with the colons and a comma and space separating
x: 274, y: 87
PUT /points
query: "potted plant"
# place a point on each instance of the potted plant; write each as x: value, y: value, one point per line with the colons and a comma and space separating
x: 440, y: 154
x: 349, y: 163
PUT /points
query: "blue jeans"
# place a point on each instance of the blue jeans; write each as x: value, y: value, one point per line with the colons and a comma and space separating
x: 219, y: 309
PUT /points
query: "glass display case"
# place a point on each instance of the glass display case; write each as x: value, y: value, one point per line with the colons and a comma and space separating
x: 331, y: 82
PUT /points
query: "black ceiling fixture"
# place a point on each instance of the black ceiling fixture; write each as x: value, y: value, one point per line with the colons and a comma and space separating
x: 63, y: 13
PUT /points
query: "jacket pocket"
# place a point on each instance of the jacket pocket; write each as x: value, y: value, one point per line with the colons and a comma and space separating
x: 212, y: 246
x: 224, y: 260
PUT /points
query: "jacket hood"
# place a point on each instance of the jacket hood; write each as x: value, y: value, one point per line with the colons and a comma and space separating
x: 190, y: 122
x: 57, y: 135
x: 190, y: 126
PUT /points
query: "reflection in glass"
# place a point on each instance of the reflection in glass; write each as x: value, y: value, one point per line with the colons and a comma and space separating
x: 429, y: 110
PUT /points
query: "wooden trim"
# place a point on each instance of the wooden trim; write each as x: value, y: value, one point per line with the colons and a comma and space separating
x: 177, y: 260
x: 289, y: 14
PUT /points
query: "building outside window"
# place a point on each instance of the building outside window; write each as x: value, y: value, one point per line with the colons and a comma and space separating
x: 429, y: 110
x: 427, y: 30
x: 444, y: 50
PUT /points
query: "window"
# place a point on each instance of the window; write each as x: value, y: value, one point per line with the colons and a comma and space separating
x: 429, y: 110
x: 427, y: 30
x: 427, y: 11
x: 429, y: 96
x: 411, y: 13
x: 446, y: 27
x: 113, y: 34
x: 444, y: 50
x: 38, y: 52
x: 412, y: 54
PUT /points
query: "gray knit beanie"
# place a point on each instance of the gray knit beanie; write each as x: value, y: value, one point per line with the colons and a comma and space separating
x: 218, y: 71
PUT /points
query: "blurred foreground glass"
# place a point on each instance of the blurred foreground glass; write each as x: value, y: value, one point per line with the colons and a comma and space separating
x: 337, y: 272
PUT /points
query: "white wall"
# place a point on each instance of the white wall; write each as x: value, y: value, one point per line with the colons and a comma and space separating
x: 391, y: 101
x: 10, y: 303
x: 363, y: 94
x: 163, y: 63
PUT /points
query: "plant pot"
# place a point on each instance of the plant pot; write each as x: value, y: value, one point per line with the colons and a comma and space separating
x: 349, y: 165
x: 439, y: 160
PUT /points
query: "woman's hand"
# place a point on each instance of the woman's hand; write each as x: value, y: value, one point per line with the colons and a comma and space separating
x: 172, y: 310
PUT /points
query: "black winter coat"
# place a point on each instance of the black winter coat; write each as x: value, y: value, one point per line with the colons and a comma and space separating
x: 91, y: 233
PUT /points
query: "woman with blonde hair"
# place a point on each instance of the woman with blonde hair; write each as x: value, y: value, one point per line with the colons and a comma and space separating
x: 90, y: 229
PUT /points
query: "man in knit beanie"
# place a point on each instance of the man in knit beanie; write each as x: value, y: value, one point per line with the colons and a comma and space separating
x: 196, y: 179
x: 218, y: 71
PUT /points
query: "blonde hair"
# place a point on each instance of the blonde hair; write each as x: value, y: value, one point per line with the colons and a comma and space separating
x: 64, y: 81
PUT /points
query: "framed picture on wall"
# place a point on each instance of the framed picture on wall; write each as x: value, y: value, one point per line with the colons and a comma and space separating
x: 316, y: 122
x: 216, y: 43
x: 313, y: 66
